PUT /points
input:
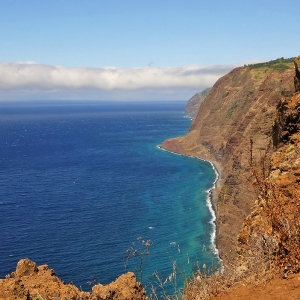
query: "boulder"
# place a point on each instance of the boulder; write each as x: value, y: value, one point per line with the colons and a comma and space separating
x: 124, y: 288
x: 25, y: 267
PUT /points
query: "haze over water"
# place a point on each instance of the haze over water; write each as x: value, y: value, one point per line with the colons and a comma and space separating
x: 81, y: 181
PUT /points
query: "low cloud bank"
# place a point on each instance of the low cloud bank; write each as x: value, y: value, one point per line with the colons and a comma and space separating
x: 52, y: 81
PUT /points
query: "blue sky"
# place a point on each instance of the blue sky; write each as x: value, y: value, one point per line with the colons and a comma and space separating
x: 160, y: 50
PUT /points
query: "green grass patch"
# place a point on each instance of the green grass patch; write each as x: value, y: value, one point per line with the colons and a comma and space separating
x: 279, y: 64
x: 232, y: 109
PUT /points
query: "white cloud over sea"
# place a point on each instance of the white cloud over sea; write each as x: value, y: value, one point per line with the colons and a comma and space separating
x: 29, y: 80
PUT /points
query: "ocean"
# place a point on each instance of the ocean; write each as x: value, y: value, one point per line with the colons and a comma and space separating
x: 81, y: 181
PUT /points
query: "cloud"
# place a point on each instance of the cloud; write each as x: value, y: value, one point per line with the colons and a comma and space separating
x: 33, y: 78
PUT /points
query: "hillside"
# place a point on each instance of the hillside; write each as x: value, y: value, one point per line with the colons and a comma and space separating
x: 194, y: 103
x: 271, y: 232
x: 240, y: 106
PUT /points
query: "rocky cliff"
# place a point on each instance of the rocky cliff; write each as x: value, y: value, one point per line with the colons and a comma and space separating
x: 240, y: 107
x: 276, y: 213
x: 194, y: 103
x: 30, y: 282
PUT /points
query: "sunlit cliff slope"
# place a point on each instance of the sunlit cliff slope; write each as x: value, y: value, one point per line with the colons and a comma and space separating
x: 240, y: 106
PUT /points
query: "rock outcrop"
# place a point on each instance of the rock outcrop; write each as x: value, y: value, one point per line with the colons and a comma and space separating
x: 125, y: 287
x: 297, y: 76
x: 240, y: 106
x: 30, y: 282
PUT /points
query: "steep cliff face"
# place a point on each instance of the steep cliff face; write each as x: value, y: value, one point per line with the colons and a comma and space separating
x: 297, y: 76
x: 192, y: 107
x: 287, y: 114
x: 276, y: 214
x: 241, y: 106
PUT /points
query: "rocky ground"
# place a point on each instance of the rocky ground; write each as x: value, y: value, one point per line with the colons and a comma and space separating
x: 276, y: 289
x: 32, y: 282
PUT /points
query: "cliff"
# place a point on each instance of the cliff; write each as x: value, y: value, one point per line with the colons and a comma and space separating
x: 194, y: 103
x: 240, y: 106
x: 30, y: 281
x: 272, y: 228
x: 276, y: 213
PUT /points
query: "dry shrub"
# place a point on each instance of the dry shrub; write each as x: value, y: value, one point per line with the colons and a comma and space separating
x: 254, y: 267
x: 284, y: 220
x: 271, y: 238
x: 279, y: 207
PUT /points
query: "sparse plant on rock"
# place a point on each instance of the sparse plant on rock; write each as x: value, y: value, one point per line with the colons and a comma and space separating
x: 138, y: 253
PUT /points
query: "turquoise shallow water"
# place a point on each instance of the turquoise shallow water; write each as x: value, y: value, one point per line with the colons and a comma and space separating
x: 81, y: 181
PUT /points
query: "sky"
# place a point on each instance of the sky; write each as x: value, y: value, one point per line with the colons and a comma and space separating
x: 136, y: 50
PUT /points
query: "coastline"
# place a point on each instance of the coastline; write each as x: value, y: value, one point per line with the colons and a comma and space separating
x: 211, y: 199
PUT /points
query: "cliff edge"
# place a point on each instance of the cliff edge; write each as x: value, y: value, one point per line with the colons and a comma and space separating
x: 276, y: 212
x: 272, y: 228
x: 240, y: 106
x: 30, y: 282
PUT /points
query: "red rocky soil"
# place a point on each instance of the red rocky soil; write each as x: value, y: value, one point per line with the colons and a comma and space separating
x: 32, y: 282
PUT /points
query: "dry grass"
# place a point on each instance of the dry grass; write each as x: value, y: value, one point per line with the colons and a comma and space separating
x: 279, y: 207
x: 269, y: 241
x: 255, y: 267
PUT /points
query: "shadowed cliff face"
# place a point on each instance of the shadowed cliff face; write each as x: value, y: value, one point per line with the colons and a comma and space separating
x: 240, y: 106
x: 297, y: 76
x: 287, y: 119
x: 192, y: 107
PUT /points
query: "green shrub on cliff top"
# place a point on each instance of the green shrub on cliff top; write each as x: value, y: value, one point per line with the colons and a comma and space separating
x: 279, y: 64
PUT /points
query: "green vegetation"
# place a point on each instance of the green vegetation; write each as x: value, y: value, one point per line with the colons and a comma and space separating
x: 279, y: 64
x: 223, y: 195
x: 232, y: 109
x: 257, y: 76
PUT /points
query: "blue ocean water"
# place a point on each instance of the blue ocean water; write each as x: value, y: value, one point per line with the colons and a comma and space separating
x: 81, y: 181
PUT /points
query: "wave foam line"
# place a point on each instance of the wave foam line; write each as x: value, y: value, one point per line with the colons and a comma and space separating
x: 209, y: 204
